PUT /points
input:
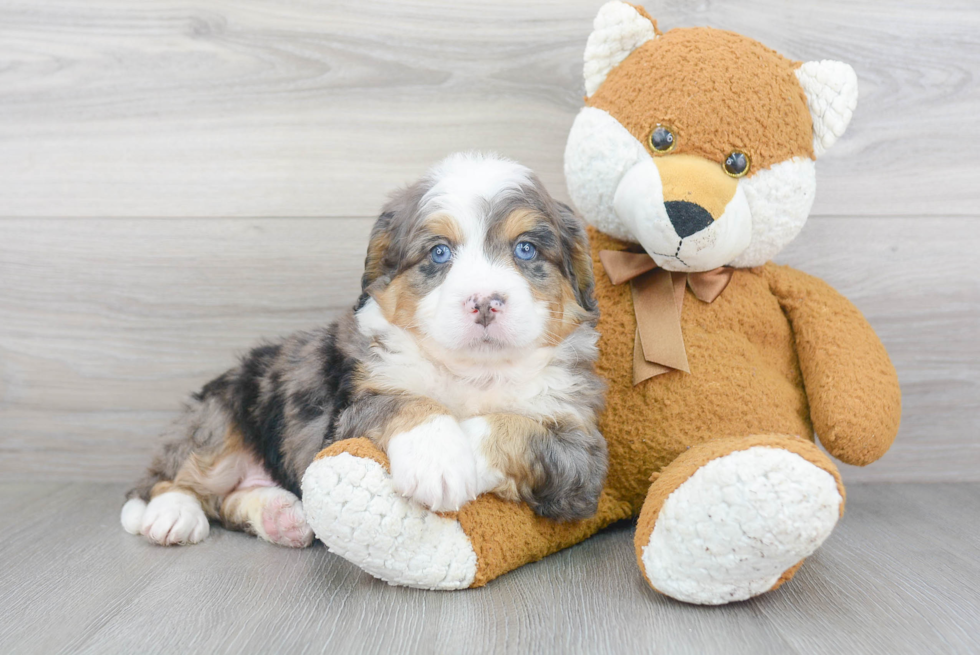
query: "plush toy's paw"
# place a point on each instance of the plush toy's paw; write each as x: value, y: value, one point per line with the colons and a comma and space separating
x: 354, y: 508
x: 434, y: 465
x: 172, y: 518
x: 734, y: 527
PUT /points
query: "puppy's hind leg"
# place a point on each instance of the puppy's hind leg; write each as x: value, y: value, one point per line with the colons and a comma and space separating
x: 203, y: 460
x: 167, y: 513
x: 166, y: 463
x: 268, y: 511
x: 174, y: 516
x: 178, y: 510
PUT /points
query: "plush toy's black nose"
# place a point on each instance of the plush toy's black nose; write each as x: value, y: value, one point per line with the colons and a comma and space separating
x: 687, y: 217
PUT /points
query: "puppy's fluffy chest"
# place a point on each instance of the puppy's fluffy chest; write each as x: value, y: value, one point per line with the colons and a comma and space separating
x: 534, y: 383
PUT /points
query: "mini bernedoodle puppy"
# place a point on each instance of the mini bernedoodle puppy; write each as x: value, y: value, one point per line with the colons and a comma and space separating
x: 468, y: 358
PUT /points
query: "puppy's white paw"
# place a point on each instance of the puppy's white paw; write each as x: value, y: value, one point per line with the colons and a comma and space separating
x: 434, y: 465
x: 477, y: 430
x: 174, y: 518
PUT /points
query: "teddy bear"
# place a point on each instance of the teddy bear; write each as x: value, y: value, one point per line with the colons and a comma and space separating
x: 693, y: 164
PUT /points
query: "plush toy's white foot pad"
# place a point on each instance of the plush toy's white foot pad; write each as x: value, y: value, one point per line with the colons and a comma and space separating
x: 734, y: 527
x: 353, y: 508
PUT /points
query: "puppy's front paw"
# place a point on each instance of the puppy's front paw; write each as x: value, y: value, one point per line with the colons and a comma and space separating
x: 174, y: 518
x: 434, y: 465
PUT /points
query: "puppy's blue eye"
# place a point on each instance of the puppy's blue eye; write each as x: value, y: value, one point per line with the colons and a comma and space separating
x: 441, y: 254
x: 525, y: 251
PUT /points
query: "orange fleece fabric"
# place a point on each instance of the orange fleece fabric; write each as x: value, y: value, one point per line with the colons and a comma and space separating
x: 754, y: 353
x: 743, y: 97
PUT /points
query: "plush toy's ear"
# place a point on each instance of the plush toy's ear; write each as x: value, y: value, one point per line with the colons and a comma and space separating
x: 831, y: 89
x: 619, y: 29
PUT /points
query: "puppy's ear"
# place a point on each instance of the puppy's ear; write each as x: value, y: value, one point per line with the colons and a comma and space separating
x: 375, y: 263
x: 575, y: 243
x: 388, y: 243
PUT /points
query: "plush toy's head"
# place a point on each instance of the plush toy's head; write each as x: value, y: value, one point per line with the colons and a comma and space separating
x: 699, y: 144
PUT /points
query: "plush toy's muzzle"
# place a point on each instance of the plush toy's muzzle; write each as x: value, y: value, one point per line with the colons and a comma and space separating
x: 685, y: 212
x: 698, y: 144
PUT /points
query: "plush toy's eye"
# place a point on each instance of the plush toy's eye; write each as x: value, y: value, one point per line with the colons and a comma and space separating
x: 662, y: 139
x: 736, y: 164
x: 441, y: 254
x: 525, y: 251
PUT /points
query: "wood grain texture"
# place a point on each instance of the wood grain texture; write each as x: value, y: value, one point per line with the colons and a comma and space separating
x: 106, y: 325
x: 302, y: 108
x: 148, y: 154
x: 246, y: 109
x: 899, y: 575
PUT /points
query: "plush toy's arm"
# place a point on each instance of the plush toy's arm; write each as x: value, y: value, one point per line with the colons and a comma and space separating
x: 855, y: 401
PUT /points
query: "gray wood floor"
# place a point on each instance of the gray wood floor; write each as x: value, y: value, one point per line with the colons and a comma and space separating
x: 901, y: 574
x: 179, y: 179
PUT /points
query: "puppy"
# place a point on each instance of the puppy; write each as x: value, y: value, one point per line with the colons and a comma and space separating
x: 468, y: 358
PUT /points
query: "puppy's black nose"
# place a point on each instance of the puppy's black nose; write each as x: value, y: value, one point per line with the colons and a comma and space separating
x: 687, y: 217
x: 484, y: 308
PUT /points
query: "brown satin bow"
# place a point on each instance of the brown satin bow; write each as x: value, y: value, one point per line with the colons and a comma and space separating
x: 658, y: 297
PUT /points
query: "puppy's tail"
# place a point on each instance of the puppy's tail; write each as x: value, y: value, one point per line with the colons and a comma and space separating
x: 131, y: 516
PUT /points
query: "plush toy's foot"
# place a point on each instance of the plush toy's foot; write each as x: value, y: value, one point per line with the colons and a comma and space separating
x: 353, y: 508
x: 734, y: 518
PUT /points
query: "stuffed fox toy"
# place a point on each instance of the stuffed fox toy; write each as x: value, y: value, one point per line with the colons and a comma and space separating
x: 693, y: 163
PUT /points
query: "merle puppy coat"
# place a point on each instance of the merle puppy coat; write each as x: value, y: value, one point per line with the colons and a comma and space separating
x: 468, y: 358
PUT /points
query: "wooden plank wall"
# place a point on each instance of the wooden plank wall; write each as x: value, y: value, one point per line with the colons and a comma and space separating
x: 178, y: 179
